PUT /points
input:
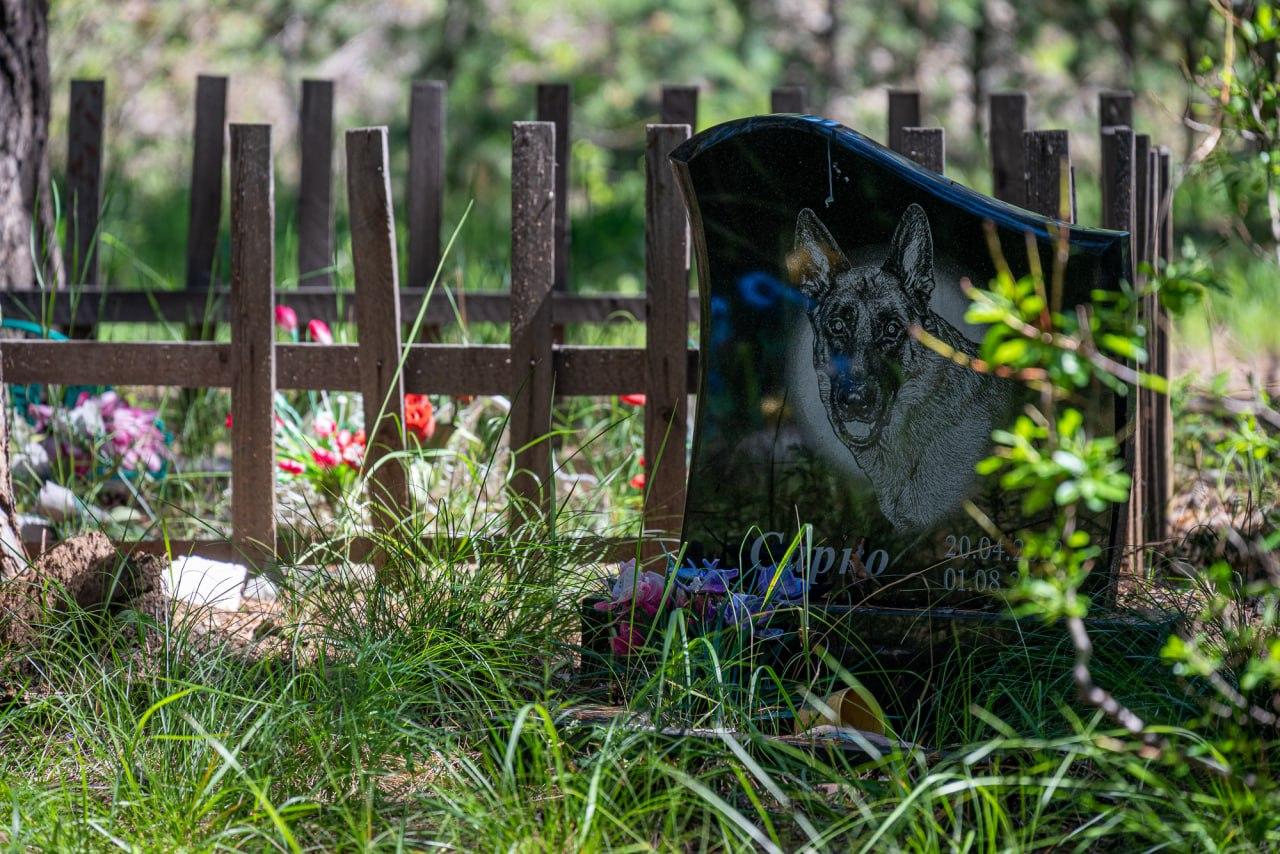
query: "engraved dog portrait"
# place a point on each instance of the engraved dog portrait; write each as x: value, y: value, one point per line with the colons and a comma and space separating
x: 914, y: 421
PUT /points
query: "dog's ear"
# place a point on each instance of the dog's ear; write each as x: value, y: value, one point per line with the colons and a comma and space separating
x: 911, y: 253
x: 815, y: 256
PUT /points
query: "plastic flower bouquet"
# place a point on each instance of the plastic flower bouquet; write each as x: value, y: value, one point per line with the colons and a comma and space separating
x: 710, y: 597
x: 102, y: 436
x: 323, y: 447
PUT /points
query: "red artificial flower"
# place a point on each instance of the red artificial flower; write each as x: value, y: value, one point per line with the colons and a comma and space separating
x: 638, y: 481
x: 286, y: 318
x: 228, y: 422
x: 318, y: 331
x: 633, y: 399
x: 291, y: 466
x: 419, y: 416
x: 643, y: 462
x: 326, y: 458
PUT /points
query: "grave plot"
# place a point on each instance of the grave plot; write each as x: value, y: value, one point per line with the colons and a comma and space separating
x: 837, y: 513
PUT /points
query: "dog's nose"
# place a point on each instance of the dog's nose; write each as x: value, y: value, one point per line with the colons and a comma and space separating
x: 857, y: 393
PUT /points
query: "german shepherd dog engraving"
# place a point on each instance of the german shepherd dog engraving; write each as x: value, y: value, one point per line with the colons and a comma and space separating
x: 914, y: 421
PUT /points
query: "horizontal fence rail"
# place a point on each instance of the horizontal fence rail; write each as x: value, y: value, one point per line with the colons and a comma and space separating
x: 90, y: 305
x: 1028, y: 166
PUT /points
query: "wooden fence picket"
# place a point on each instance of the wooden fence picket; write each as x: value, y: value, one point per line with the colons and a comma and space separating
x: 84, y: 180
x: 904, y: 112
x: 253, y: 364
x: 533, y: 270
x: 1119, y: 212
x: 788, y: 99
x: 555, y: 105
x: 315, y: 184
x: 926, y: 146
x: 1115, y: 108
x: 1162, y: 477
x: 208, y: 153
x: 1007, y: 113
x: 1047, y: 156
x: 679, y: 105
x: 425, y: 202
x: 666, y: 263
x: 373, y: 258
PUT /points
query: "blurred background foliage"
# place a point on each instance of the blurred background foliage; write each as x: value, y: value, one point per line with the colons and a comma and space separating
x: 616, y: 55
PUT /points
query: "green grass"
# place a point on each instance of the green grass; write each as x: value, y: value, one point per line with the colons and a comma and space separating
x: 432, y: 716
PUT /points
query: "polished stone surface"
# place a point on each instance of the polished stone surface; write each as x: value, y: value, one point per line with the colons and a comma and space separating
x: 818, y: 252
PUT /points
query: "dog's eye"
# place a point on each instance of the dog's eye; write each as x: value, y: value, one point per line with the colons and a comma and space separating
x: 837, y: 326
x: 892, y: 330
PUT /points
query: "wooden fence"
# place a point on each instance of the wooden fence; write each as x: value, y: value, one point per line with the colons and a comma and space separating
x: 1027, y: 170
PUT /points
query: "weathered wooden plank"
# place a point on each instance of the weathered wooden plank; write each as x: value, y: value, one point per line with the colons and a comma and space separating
x: 1148, y: 181
x: 426, y: 179
x: 90, y: 305
x: 555, y: 106
x: 1142, y: 198
x: 1118, y: 179
x: 205, y: 215
x: 666, y: 283
x: 373, y: 257
x: 315, y: 184
x: 1115, y: 108
x: 84, y: 180
x: 1118, y: 212
x: 429, y: 368
x: 1048, y: 164
x: 926, y: 146
x: 788, y: 99
x: 183, y: 364
x: 1161, y: 361
x: 533, y: 249
x: 1008, y: 121
x: 253, y: 382
x: 679, y: 105
x: 904, y: 112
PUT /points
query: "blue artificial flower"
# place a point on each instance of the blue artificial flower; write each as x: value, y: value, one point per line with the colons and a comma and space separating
x: 741, y: 609
x: 762, y: 291
x: 709, y: 578
x: 780, y: 585
x: 721, y: 327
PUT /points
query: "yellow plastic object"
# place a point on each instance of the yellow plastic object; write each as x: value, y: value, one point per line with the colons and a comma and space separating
x: 848, y: 708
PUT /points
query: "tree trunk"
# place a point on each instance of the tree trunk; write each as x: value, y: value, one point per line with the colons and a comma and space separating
x: 25, y: 188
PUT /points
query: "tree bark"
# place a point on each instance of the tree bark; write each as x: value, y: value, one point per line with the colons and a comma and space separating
x: 26, y: 198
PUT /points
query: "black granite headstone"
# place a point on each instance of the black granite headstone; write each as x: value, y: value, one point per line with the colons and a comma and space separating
x: 818, y: 253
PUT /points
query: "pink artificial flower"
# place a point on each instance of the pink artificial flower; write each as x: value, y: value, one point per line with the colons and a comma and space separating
x: 41, y: 414
x: 324, y: 425
x: 286, y: 319
x: 326, y: 458
x: 633, y: 399
x: 627, y: 640
x: 639, y: 481
x: 318, y: 331
x: 353, y: 455
x: 646, y: 588
x: 289, y: 466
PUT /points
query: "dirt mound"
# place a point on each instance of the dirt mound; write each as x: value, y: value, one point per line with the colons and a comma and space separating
x: 85, y: 571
